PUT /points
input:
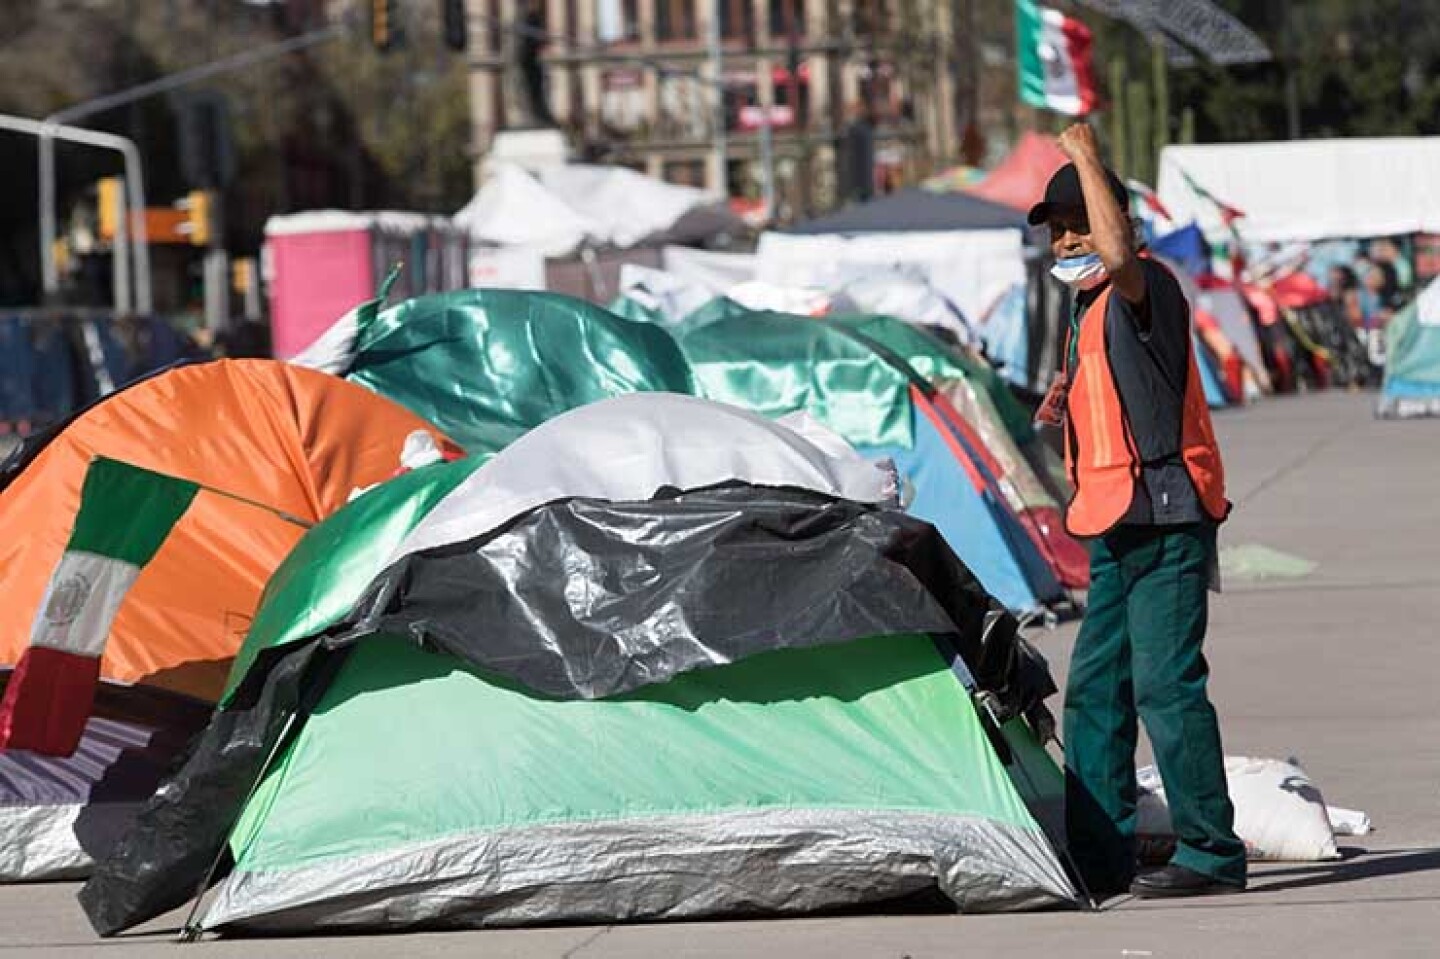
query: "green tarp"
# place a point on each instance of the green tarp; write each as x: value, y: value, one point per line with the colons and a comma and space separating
x: 485, y: 366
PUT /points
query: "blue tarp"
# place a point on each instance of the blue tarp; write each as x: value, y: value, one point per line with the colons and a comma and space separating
x: 939, y: 492
x: 1209, y: 378
x: 1006, y: 335
x: 1185, y: 246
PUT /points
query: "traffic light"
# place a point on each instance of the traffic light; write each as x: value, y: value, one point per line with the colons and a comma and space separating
x: 455, y: 27
x: 199, y: 225
x: 382, y: 24
x: 109, y: 202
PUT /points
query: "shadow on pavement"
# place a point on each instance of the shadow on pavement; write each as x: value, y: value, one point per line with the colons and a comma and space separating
x: 1356, y: 865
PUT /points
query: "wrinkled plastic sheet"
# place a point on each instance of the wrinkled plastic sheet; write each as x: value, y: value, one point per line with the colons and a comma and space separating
x: 587, y: 599
x: 583, y: 599
x: 752, y: 862
x: 182, y: 828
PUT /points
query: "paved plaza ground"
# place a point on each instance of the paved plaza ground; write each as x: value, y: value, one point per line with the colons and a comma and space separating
x: 1339, y: 668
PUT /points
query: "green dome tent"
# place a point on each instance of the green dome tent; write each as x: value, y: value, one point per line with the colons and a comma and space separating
x: 442, y: 729
x: 485, y: 366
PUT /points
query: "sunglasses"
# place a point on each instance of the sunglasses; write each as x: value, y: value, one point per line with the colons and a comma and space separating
x: 1060, y: 225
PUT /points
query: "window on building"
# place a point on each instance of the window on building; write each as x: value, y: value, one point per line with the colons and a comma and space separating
x: 737, y: 20
x: 623, y: 104
x: 685, y: 109
x: 792, y: 96
x: 616, y: 21
x: 879, y: 89
x: 675, y: 20
x: 787, y: 16
x: 493, y: 28
x: 685, y: 172
x: 740, y: 92
x: 872, y: 18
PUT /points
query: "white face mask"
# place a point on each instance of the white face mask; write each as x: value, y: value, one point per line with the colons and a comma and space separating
x: 1080, y: 272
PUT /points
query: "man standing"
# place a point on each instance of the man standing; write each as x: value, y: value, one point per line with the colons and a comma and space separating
x: 1149, y: 493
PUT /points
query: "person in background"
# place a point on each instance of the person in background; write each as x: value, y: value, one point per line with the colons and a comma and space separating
x: 1344, y: 287
x: 1149, y: 494
x: 244, y: 339
x: 1399, y: 277
x: 1376, y: 301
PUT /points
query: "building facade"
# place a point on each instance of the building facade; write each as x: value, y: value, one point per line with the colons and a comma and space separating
x: 635, y: 82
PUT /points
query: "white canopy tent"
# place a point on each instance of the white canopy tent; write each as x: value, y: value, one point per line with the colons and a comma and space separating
x: 971, y: 269
x: 1305, y: 190
x: 557, y: 209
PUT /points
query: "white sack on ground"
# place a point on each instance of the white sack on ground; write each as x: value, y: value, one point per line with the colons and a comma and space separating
x: 1279, y: 812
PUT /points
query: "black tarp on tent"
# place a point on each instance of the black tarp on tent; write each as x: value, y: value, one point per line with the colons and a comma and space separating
x: 914, y: 209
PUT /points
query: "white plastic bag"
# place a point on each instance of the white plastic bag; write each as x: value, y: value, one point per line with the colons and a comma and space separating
x: 1279, y: 813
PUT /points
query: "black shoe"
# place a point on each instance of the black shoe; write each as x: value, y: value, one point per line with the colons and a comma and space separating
x: 1175, y: 881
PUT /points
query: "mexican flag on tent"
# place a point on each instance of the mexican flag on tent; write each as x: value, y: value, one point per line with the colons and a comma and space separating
x: 619, y: 740
x: 125, y: 515
x: 1053, y: 57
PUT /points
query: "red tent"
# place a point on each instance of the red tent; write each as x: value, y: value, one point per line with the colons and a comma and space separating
x: 1019, y: 181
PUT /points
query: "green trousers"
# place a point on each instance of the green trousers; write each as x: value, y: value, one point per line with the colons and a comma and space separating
x: 1138, y: 657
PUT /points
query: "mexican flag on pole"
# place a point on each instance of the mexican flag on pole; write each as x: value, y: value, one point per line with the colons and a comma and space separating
x: 1053, y: 55
x: 125, y: 515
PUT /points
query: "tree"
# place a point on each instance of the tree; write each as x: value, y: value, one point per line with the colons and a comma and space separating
x: 335, y: 126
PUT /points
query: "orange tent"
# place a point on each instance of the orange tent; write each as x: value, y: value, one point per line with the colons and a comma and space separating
x: 1019, y: 180
x: 275, y: 448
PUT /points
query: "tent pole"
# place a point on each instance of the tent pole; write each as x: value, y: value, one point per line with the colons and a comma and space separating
x: 189, y: 930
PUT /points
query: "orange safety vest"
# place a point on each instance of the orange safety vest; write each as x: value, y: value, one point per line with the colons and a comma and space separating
x: 1100, y: 451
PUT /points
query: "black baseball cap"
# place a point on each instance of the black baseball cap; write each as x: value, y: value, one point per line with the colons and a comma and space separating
x: 1063, y: 192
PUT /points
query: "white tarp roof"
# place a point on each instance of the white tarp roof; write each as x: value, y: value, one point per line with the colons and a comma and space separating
x: 345, y: 221
x: 627, y: 447
x: 1308, y: 189
x: 559, y: 208
x: 514, y: 209
x: 973, y: 269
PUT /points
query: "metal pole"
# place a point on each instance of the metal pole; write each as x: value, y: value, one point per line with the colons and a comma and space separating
x: 217, y: 290
x: 48, y: 132
x: 1291, y: 61
x: 120, y: 253
x: 767, y: 163
x: 717, y: 70
x: 49, y: 276
x: 139, y: 230
x: 1160, y: 128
